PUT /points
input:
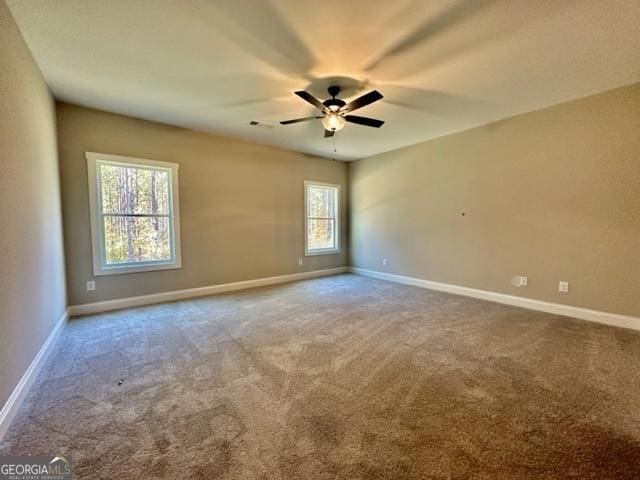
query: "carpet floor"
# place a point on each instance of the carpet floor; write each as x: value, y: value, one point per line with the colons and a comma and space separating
x: 341, y: 377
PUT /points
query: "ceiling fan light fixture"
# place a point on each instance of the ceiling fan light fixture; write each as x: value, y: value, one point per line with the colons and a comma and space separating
x: 333, y: 122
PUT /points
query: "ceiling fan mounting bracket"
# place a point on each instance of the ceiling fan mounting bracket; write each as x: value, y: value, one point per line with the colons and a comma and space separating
x: 334, y: 90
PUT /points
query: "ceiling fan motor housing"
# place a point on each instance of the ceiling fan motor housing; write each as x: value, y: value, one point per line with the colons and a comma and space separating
x: 334, y: 104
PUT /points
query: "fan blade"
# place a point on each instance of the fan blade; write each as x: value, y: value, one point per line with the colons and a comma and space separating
x: 362, y: 101
x: 369, y: 122
x: 296, y: 120
x: 328, y: 133
x: 311, y: 99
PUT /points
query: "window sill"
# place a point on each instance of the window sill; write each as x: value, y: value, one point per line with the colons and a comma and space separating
x: 121, y: 270
x: 313, y: 253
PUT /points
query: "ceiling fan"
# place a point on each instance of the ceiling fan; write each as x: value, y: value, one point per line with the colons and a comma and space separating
x: 335, y: 111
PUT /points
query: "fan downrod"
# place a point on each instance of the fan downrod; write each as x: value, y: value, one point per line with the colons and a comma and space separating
x: 334, y: 90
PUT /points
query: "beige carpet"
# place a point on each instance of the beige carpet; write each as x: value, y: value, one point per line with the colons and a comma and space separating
x: 337, y: 378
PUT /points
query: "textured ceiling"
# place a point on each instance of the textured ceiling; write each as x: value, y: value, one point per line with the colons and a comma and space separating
x: 443, y: 66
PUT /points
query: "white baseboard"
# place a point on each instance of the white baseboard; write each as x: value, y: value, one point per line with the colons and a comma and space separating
x: 89, y: 308
x: 607, y: 318
x: 16, y: 398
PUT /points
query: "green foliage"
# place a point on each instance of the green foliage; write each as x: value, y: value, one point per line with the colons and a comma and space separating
x: 136, y: 213
x: 320, y: 218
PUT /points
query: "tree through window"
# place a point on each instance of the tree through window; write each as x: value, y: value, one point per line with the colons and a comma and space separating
x: 321, y: 218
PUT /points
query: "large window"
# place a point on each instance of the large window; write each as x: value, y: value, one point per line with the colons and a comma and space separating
x: 321, y: 218
x: 135, y: 223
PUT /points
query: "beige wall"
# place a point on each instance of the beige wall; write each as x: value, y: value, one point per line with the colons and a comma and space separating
x: 553, y: 195
x: 241, y: 204
x: 32, y: 291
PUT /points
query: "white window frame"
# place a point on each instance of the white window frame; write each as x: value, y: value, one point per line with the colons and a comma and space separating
x: 323, y: 251
x: 100, y: 266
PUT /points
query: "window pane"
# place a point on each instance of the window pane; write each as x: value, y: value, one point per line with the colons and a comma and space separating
x: 133, y: 189
x: 320, y: 234
x: 320, y: 202
x: 136, y: 239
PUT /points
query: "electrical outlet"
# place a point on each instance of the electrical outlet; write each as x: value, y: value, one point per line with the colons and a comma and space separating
x: 300, y: 261
x: 91, y: 285
x: 385, y: 262
x: 524, y: 281
x: 563, y: 287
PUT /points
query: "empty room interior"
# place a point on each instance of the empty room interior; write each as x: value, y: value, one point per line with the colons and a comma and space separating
x: 291, y: 239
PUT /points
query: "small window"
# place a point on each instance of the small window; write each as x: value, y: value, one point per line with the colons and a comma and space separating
x: 321, y: 218
x: 135, y: 222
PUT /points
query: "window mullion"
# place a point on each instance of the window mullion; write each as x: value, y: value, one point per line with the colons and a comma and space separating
x: 137, y: 215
